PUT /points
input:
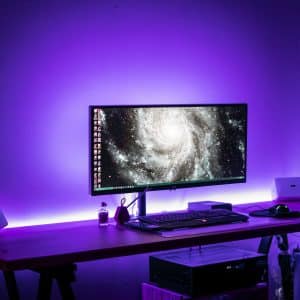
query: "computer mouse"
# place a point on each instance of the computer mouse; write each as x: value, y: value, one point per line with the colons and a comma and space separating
x: 279, y: 210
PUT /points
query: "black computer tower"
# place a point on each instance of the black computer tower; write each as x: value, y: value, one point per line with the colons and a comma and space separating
x: 200, y: 271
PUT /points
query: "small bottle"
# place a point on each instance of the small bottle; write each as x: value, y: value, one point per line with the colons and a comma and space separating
x: 103, y: 215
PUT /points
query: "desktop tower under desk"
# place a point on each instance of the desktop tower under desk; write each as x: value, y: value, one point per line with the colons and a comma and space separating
x: 208, y: 270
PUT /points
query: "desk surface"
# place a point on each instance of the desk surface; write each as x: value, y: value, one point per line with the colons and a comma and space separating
x: 55, y: 244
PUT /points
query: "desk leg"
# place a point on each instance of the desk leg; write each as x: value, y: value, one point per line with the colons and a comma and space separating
x: 65, y: 290
x: 284, y: 261
x: 45, y: 285
x: 265, y: 244
x: 64, y: 276
x: 11, y: 285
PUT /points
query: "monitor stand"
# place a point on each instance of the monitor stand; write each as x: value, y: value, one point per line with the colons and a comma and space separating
x: 141, y: 203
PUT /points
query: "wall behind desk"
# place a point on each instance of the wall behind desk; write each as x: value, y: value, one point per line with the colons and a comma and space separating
x: 58, y: 57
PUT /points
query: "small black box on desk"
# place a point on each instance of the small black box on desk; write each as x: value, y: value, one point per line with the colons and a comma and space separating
x: 204, y: 205
x: 208, y: 269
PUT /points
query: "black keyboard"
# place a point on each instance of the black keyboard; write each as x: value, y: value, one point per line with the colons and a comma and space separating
x: 174, y: 220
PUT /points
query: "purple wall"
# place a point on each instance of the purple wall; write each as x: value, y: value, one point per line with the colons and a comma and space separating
x: 58, y: 57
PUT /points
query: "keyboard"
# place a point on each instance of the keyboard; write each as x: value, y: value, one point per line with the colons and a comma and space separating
x: 186, y: 219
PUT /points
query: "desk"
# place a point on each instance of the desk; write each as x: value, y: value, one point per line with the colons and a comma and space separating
x: 45, y: 247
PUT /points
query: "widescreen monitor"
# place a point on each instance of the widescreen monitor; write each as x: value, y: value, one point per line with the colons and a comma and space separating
x: 153, y: 147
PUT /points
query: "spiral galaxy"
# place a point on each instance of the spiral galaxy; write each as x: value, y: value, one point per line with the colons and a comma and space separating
x: 152, y: 145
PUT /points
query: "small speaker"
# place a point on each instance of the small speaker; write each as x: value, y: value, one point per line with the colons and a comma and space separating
x: 3, y: 221
x: 286, y: 189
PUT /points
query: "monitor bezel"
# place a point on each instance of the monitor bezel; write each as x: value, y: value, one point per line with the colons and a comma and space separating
x: 157, y: 187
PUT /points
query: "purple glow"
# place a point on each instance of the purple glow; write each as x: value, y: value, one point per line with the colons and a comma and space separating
x: 59, y: 59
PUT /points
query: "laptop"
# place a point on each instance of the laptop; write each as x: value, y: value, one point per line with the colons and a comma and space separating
x: 286, y: 189
x: 3, y: 221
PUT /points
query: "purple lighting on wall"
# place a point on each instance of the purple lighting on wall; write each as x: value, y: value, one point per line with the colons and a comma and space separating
x: 57, y: 59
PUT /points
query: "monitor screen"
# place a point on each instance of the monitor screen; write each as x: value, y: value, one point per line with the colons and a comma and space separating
x: 138, y: 148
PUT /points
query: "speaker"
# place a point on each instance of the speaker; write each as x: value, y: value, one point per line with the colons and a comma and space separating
x: 286, y: 189
x: 3, y: 221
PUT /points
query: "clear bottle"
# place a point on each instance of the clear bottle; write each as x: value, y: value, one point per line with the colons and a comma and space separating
x: 103, y: 215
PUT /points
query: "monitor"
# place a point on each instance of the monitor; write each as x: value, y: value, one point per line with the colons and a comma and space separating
x: 137, y: 148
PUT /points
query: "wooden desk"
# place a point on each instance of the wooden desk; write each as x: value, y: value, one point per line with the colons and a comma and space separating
x: 49, y: 246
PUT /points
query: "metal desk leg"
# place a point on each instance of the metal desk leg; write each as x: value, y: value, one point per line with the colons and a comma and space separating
x: 45, y: 285
x: 65, y: 289
x: 11, y: 285
x: 265, y: 244
x: 64, y: 276
x: 284, y: 260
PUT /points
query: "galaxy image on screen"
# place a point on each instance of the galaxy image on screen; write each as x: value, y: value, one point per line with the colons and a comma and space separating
x: 148, y: 146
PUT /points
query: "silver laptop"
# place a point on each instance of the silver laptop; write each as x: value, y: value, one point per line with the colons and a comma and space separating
x: 3, y: 221
x: 286, y: 188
